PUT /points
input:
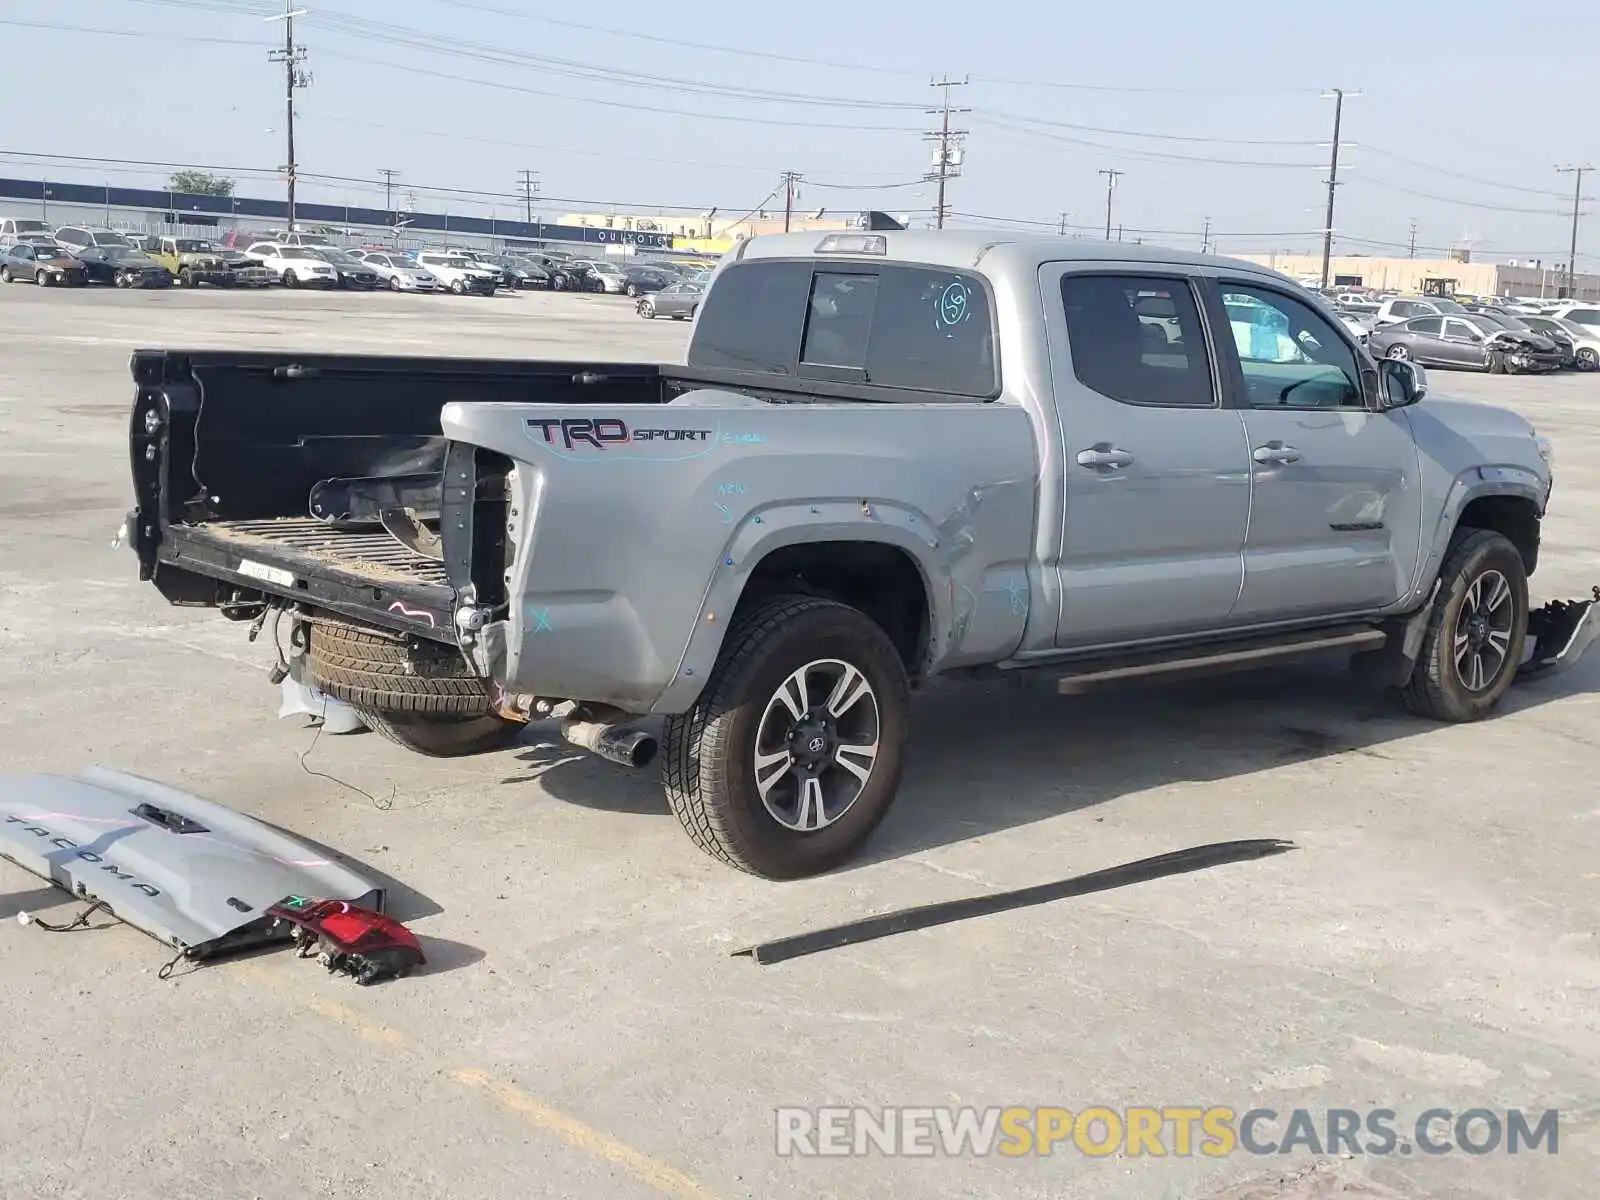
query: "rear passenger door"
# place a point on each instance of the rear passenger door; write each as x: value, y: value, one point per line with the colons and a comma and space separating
x: 1157, y: 470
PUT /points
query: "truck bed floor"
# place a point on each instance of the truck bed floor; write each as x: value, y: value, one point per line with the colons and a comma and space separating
x: 371, y: 554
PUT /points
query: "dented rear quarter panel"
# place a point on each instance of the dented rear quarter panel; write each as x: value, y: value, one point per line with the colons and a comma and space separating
x: 631, y: 555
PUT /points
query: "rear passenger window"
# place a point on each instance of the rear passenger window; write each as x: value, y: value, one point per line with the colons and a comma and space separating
x: 752, y: 318
x: 1138, y: 339
x: 912, y: 328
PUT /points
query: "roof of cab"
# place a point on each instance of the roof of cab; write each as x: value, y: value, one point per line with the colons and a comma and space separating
x: 969, y: 248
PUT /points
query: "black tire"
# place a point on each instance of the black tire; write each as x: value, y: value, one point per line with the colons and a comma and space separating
x: 393, y: 674
x: 1586, y: 359
x: 290, y: 279
x: 1497, y: 363
x: 184, y: 278
x: 709, y: 760
x: 1397, y: 352
x: 40, y: 278
x: 633, y: 292
x: 458, y: 288
x: 394, y: 283
x: 6, y: 276
x: 558, y: 283
x: 440, y: 737
x: 645, y: 309
x: 1437, y: 688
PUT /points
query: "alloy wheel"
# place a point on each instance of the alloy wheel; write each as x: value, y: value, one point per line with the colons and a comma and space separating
x: 1483, y: 630
x: 816, y: 745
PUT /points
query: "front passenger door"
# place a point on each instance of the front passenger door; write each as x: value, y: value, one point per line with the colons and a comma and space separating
x: 1463, y: 344
x: 1335, y: 512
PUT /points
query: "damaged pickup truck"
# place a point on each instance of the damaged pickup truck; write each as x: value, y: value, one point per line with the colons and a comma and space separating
x: 890, y: 456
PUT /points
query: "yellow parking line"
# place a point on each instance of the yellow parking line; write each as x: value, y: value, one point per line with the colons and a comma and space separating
x: 530, y: 1109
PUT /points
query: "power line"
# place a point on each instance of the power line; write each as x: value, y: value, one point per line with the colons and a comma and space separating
x: 1164, y: 137
x: 1499, y: 208
x: 1411, y: 162
x: 1136, y: 152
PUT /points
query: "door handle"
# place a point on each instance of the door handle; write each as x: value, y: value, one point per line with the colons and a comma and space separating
x: 1104, y: 456
x: 1275, y: 452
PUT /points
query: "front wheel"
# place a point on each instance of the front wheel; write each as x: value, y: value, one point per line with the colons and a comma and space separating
x: 633, y: 292
x: 793, y: 753
x: 1587, y: 359
x: 1475, y: 634
x: 185, y: 278
x: 1397, y: 352
x: 6, y: 276
x: 458, y: 288
x: 41, y: 279
x: 291, y: 280
x: 1497, y: 363
x: 645, y: 309
x: 394, y: 284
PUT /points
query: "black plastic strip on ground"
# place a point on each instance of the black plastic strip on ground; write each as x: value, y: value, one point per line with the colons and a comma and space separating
x: 1178, y: 862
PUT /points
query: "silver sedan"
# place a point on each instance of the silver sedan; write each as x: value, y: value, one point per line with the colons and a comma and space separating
x: 678, y: 302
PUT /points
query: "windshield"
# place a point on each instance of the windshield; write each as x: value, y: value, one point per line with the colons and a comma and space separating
x: 605, y: 268
x: 50, y: 252
x: 459, y: 264
x: 191, y: 246
x: 124, y: 254
x: 1446, y: 306
x: 31, y: 226
x: 297, y: 252
x: 336, y: 256
x: 1490, y: 321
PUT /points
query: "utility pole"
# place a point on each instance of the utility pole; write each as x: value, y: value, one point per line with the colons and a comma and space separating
x: 791, y: 181
x: 529, y: 182
x: 1411, y: 249
x: 1338, y: 95
x: 1577, y: 200
x: 947, y: 158
x: 295, y: 76
x: 1063, y: 224
x: 1205, y: 238
x: 1111, y: 174
x: 388, y: 191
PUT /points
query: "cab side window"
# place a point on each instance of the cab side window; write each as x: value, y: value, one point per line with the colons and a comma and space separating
x: 1290, y: 354
x: 1138, y: 339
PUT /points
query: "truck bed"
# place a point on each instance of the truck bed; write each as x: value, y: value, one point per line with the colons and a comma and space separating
x: 304, y: 540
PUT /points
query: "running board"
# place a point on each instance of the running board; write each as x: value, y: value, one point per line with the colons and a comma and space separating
x: 1213, y: 657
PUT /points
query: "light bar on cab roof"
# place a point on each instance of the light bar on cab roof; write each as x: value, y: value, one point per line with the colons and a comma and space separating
x: 853, y: 243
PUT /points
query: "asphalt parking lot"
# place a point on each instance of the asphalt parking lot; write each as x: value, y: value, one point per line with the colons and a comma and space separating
x: 583, y: 1029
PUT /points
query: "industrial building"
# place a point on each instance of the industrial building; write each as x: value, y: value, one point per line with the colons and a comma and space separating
x: 1458, y: 274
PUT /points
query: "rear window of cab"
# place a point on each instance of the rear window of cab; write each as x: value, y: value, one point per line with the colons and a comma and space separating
x: 919, y: 329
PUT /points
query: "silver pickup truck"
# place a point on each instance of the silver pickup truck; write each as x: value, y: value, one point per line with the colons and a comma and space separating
x: 890, y: 456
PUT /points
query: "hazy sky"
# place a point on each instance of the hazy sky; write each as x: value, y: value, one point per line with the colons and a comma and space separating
x: 1466, y: 109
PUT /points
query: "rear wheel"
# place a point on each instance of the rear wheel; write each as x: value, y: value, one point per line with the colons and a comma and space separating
x: 792, y: 754
x: 6, y: 276
x: 645, y: 309
x: 1397, y: 352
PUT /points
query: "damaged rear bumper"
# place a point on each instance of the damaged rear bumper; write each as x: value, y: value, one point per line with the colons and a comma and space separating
x: 1560, y: 632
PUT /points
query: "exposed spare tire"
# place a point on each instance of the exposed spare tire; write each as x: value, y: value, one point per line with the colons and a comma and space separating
x: 441, y: 737
x: 418, y: 694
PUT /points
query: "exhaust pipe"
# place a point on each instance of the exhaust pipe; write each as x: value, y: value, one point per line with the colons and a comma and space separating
x: 612, y: 741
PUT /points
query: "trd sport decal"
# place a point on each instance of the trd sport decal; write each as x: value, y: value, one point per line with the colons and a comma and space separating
x: 600, y: 433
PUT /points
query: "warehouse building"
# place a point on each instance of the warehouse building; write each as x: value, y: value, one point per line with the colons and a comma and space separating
x: 1524, y: 277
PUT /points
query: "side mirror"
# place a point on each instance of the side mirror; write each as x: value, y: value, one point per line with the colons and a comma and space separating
x: 1401, y: 382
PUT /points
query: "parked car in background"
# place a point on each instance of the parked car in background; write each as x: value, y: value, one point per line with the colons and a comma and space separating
x: 397, y: 273
x: 1554, y: 330
x: 647, y: 277
x: 1467, y: 341
x: 44, y: 265
x: 81, y: 237
x: 1359, y: 324
x: 246, y: 271
x: 32, y: 239
x: 1586, y: 315
x: 678, y: 301
x: 148, y: 242
x: 123, y: 266
x: 575, y: 276
x: 352, y: 273
x: 518, y: 274
x: 295, y: 266
x: 461, y: 275
x: 607, y: 273
x: 1399, y: 308
x: 298, y: 238
x: 1585, y: 346
x: 192, y: 262
x: 15, y: 229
